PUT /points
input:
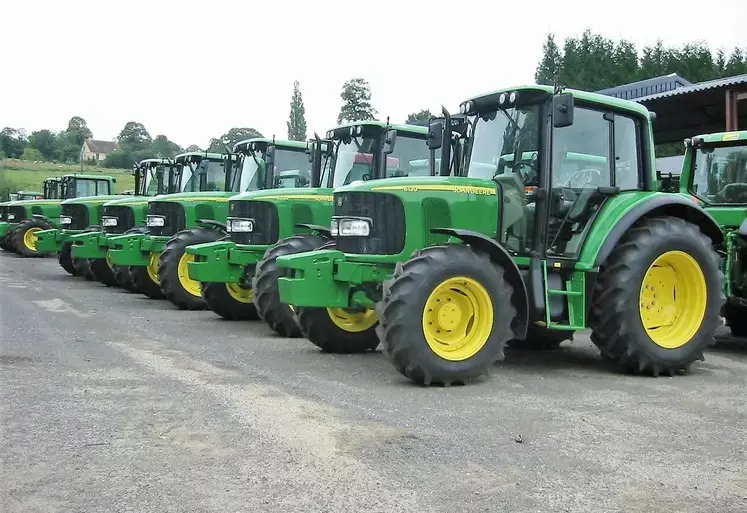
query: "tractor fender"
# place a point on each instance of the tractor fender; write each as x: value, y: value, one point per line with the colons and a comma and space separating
x: 211, y: 223
x: 499, y: 254
x: 671, y: 205
x: 42, y: 217
x: 324, y: 231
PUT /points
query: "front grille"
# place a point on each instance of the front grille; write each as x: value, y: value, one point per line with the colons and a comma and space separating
x: 125, y: 218
x: 266, y: 222
x: 174, y: 214
x: 78, y: 215
x: 19, y: 212
x: 387, y: 214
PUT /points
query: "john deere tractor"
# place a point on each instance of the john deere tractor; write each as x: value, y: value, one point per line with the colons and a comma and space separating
x: 266, y: 224
x: 555, y: 221
x: 83, y: 199
x: 714, y: 174
x: 7, y: 226
x: 39, y: 216
x: 124, y: 216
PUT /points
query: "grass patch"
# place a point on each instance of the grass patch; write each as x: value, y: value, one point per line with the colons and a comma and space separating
x: 19, y: 175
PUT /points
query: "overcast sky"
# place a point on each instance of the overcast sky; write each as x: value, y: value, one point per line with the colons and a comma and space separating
x: 192, y: 70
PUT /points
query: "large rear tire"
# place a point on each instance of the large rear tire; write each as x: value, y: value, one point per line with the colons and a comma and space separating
x: 278, y: 316
x: 446, y: 315
x: 6, y: 243
x: 230, y: 301
x: 657, y: 302
x: 24, y: 237
x: 176, y: 284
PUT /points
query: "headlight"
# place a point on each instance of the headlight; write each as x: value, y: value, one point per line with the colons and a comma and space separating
x: 155, y: 220
x: 502, y: 98
x: 512, y: 97
x: 108, y: 221
x: 66, y: 220
x: 350, y: 227
x: 11, y: 217
x: 240, y: 225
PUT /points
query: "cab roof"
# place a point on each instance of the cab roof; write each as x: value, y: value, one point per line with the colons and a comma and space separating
x: 200, y: 155
x: 541, y: 92
x: 719, y: 137
x: 279, y: 143
x: 415, y: 129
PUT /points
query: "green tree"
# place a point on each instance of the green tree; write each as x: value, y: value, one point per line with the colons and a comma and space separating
x: 551, y: 63
x: 32, y: 154
x: 423, y: 115
x: 231, y: 137
x: 78, y: 129
x: 356, y: 102
x: 297, y: 122
x: 737, y: 63
x: 134, y: 137
x: 162, y: 147
x: 12, y: 142
x: 46, y: 142
x: 192, y: 147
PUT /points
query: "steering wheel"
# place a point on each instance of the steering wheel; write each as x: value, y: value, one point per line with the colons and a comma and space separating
x: 592, y: 177
x: 528, y: 176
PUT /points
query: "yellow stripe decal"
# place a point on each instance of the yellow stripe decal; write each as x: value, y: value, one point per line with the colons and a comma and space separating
x: 293, y: 196
x: 459, y: 189
x: 731, y: 136
x: 199, y: 198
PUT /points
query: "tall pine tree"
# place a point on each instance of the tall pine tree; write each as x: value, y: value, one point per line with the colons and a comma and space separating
x: 297, y: 122
x: 551, y: 62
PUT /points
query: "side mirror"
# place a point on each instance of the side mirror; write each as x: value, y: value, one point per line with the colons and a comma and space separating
x: 562, y: 110
x: 270, y: 156
x: 389, y: 141
x: 114, y: 180
x: 435, y: 135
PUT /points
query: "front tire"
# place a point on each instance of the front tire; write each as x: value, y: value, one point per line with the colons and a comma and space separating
x: 446, y: 315
x: 736, y: 319
x: 176, y: 284
x: 278, y: 316
x: 65, y: 259
x: 24, y: 237
x: 123, y: 273
x: 230, y: 301
x: 100, y: 269
x: 6, y: 243
x: 657, y: 302
x: 146, y: 278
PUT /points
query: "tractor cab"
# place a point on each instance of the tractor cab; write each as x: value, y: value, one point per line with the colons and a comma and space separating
x: 156, y: 176
x: 206, y: 172
x: 78, y: 186
x: 270, y: 164
x: 52, y: 188
x: 25, y: 196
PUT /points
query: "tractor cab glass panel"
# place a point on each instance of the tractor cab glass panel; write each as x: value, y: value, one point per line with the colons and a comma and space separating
x: 252, y: 169
x: 581, y: 156
x: 354, y: 159
x: 495, y: 139
x: 80, y: 187
x: 327, y: 167
x: 409, y: 158
x: 52, y: 190
x: 215, y: 175
x: 151, y: 179
x: 186, y: 179
x: 720, y: 174
x: 292, y: 169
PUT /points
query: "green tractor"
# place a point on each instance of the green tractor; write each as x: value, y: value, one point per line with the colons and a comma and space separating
x: 714, y: 173
x: 158, y: 260
x: 39, y: 216
x: 7, y: 226
x: 555, y: 223
x: 266, y: 224
x: 83, y: 199
x: 123, y: 216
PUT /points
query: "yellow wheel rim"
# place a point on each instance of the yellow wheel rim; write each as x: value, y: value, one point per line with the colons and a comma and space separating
x: 191, y: 286
x: 458, y: 318
x: 153, y: 268
x: 239, y: 294
x: 673, y: 299
x: 109, y: 261
x: 353, y: 322
x: 30, y: 238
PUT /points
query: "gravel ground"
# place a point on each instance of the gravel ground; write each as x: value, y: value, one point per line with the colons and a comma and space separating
x: 112, y: 402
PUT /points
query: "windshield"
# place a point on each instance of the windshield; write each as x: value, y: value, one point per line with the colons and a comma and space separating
x: 86, y: 187
x: 27, y: 196
x: 356, y: 161
x: 720, y: 174
x: 496, y: 138
x: 151, y: 180
x: 214, y: 170
x: 249, y: 175
x: 52, y: 189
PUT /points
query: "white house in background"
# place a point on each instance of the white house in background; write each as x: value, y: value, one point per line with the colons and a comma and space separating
x: 97, y: 150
